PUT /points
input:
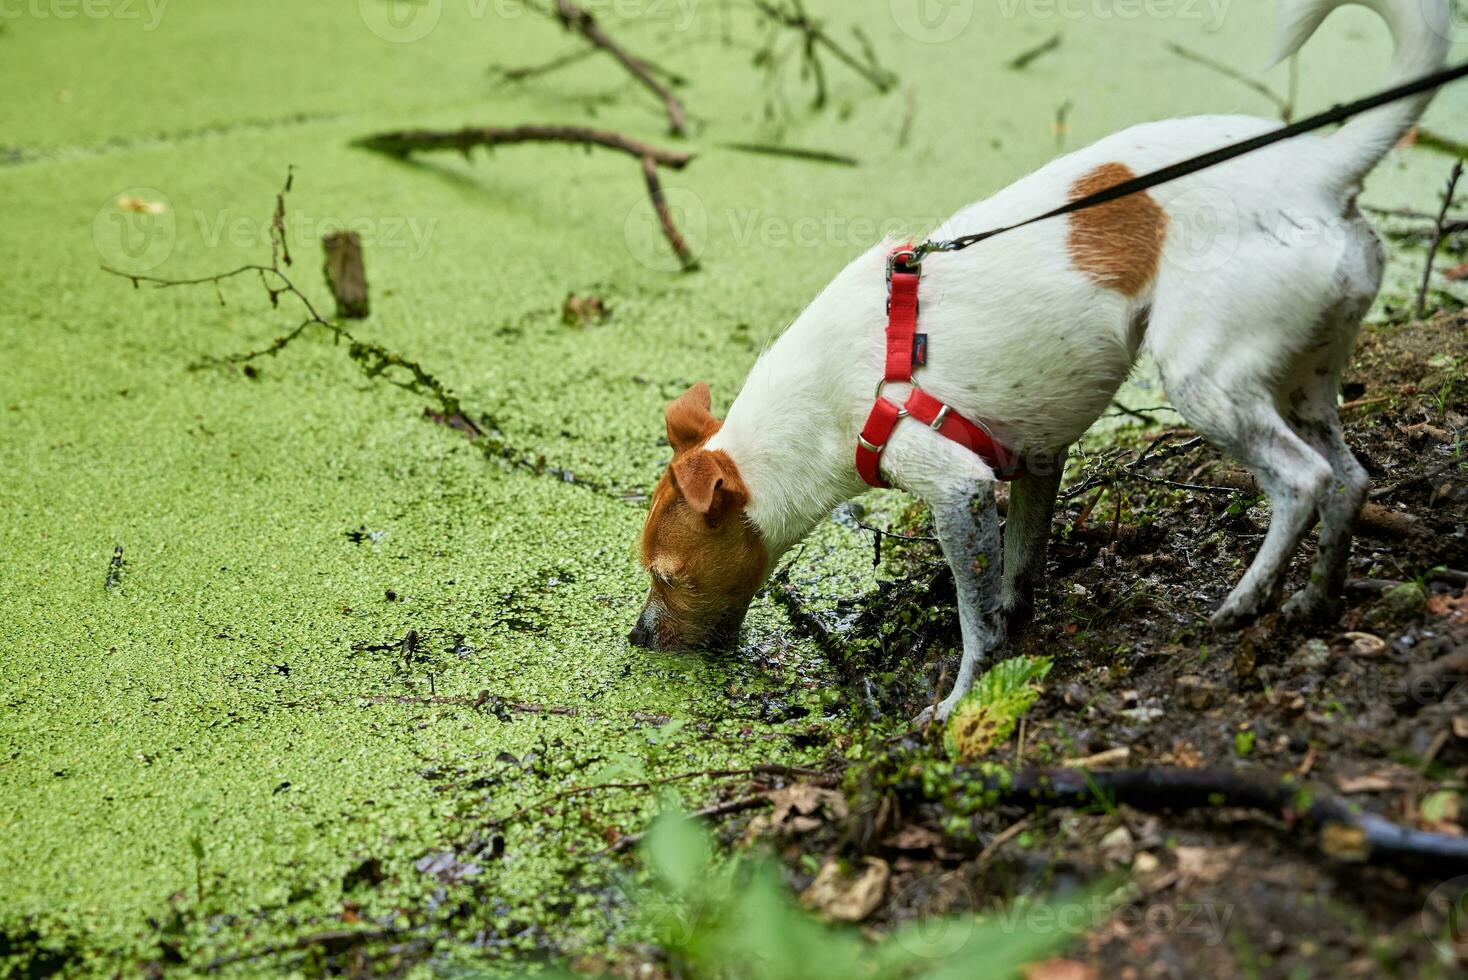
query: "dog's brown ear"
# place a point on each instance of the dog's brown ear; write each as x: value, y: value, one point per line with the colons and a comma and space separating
x: 711, y: 484
x: 689, y: 420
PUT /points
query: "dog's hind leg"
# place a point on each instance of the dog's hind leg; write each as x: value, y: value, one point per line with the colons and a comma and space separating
x: 1027, y: 536
x: 1315, y: 418
x: 1246, y: 424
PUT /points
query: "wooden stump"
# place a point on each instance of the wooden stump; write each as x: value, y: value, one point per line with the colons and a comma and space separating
x: 345, y: 274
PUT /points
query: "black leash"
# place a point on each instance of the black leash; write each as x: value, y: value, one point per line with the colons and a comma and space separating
x: 1212, y: 158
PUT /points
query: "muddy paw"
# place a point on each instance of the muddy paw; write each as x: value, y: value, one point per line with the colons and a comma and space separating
x: 929, y: 715
x: 1232, y: 616
x: 1309, y: 606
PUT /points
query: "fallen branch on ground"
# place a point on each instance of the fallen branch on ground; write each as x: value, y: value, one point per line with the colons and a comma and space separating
x: 1345, y: 832
x: 403, y: 143
x: 579, y: 21
x: 665, y: 216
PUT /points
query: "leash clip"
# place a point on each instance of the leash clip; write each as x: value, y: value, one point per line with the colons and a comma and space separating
x: 905, y: 259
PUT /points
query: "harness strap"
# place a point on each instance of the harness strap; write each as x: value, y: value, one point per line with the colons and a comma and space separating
x: 907, y: 349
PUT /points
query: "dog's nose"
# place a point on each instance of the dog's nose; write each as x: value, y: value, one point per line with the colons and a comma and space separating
x: 640, y: 636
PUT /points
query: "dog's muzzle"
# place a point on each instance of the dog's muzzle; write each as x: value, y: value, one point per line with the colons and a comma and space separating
x: 643, y: 634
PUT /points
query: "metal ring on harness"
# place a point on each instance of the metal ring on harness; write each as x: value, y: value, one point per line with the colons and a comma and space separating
x: 901, y: 412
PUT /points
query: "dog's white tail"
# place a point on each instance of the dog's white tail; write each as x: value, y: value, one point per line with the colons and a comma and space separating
x: 1421, y: 29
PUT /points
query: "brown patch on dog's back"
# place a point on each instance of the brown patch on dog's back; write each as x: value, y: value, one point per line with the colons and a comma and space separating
x: 1117, y: 245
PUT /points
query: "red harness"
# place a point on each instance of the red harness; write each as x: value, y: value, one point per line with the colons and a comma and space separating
x: 908, y: 349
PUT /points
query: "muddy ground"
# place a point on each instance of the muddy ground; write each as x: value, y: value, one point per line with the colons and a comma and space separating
x: 1144, y: 550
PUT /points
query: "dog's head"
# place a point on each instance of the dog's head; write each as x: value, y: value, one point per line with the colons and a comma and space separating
x: 705, y: 557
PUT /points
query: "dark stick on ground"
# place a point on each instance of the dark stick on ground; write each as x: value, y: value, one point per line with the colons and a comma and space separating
x: 405, y: 142
x: 114, y: 568
x: 555, y: 64
x: 665, y: 215
x: 573, y: 18
x: 1440, y: 232
x: 1345, y: 831
x: 1423, y: 477
x: 1040, y: 50
x: 795, y: 153
x: 909, y: 118
x: 1432, y: 140
x: 346, y: 275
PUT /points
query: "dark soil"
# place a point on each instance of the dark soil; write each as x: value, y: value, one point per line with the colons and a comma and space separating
x: 1142, y: 556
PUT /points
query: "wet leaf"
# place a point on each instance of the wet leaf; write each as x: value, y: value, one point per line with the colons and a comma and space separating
x: 843, y: 897
x: 989, y: 713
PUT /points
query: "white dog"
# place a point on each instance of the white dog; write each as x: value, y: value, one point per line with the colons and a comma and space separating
x: 1245, y: 283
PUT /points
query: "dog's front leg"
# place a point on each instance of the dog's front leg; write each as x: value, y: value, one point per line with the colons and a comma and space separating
x: 967, y: 520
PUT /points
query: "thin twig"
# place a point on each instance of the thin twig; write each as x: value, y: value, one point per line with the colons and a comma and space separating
x: 795, y: 153
x: 573, y: 18
x: 1423, y: 477
x: 813, y: 38
x: 629, y: 841
x: 374, y: 360
x: 1025, y: 59
x: 405, y: 142
x: 1284, y: 105
x: 761, y: 770
x: 1439, y: 233
x: 665, y: 216
x: 555, y: 64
